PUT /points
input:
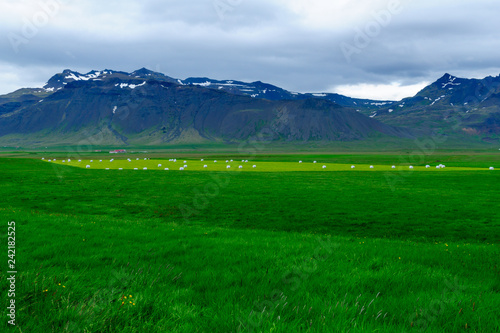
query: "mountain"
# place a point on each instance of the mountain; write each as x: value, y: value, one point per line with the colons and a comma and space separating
x: 58, y: 81
x: 255, y: 89
x: 451, y: 105
x: 20, y: 98
x: 267, y: 91
x: 145, y: 107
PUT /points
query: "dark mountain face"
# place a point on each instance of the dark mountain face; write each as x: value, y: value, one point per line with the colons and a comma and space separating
x: 456, y: 92
x: 21, y: 99
x: 257, y: 89
x: 149, y: 108
x: 58, y: 81
x: 146, y: 107
x: 452, y: 105
x: 267, y: 91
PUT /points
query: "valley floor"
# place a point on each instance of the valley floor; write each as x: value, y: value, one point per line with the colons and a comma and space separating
x: 271, y: 251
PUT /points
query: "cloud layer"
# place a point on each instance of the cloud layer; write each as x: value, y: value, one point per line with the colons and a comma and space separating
x: 364, y: 48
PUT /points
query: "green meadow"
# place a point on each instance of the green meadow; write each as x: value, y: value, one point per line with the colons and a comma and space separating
x: 282, y: 247
x: 241, y: 165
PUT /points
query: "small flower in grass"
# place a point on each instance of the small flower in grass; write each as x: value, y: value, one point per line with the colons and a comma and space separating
x: 399, y: 258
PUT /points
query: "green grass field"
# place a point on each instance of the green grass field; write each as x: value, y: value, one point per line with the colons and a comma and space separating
x: 284, y: 247
x: 241, y: 165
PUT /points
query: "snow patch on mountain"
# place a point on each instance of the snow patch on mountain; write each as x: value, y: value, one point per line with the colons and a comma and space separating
x: 450, y: 82
x: 204, y: 84
x: 80, y: 77
x: 129, y: 85
x: 438, y: 99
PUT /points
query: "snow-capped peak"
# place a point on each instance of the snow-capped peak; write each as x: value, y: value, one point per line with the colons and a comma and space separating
x: 79, y: 77
x: 450, y: 81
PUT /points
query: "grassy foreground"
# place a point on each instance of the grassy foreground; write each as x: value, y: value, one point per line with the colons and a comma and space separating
x: 215, y: 251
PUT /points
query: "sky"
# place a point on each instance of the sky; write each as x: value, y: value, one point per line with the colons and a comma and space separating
x: 377, y: 49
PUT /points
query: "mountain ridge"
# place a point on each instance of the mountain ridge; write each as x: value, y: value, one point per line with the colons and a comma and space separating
x: 469, y: 107
x: 257, y: 89
x: 144, y: 107
x: 474, y: 102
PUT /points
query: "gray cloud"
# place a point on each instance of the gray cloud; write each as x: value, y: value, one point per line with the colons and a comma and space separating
x: 270, y: 41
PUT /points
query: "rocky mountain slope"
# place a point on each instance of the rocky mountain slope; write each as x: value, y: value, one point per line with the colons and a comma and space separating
x: 145, y: 107
x: 452, y: 105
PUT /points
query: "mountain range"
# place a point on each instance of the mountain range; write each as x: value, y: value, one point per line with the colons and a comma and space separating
x: 149, y: 108
x: 467, y: 107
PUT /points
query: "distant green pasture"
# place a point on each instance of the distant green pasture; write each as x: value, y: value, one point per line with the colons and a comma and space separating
x: 245, y: 165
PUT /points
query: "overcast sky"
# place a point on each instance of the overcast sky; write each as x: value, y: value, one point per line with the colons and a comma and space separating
x: 379, y: 49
